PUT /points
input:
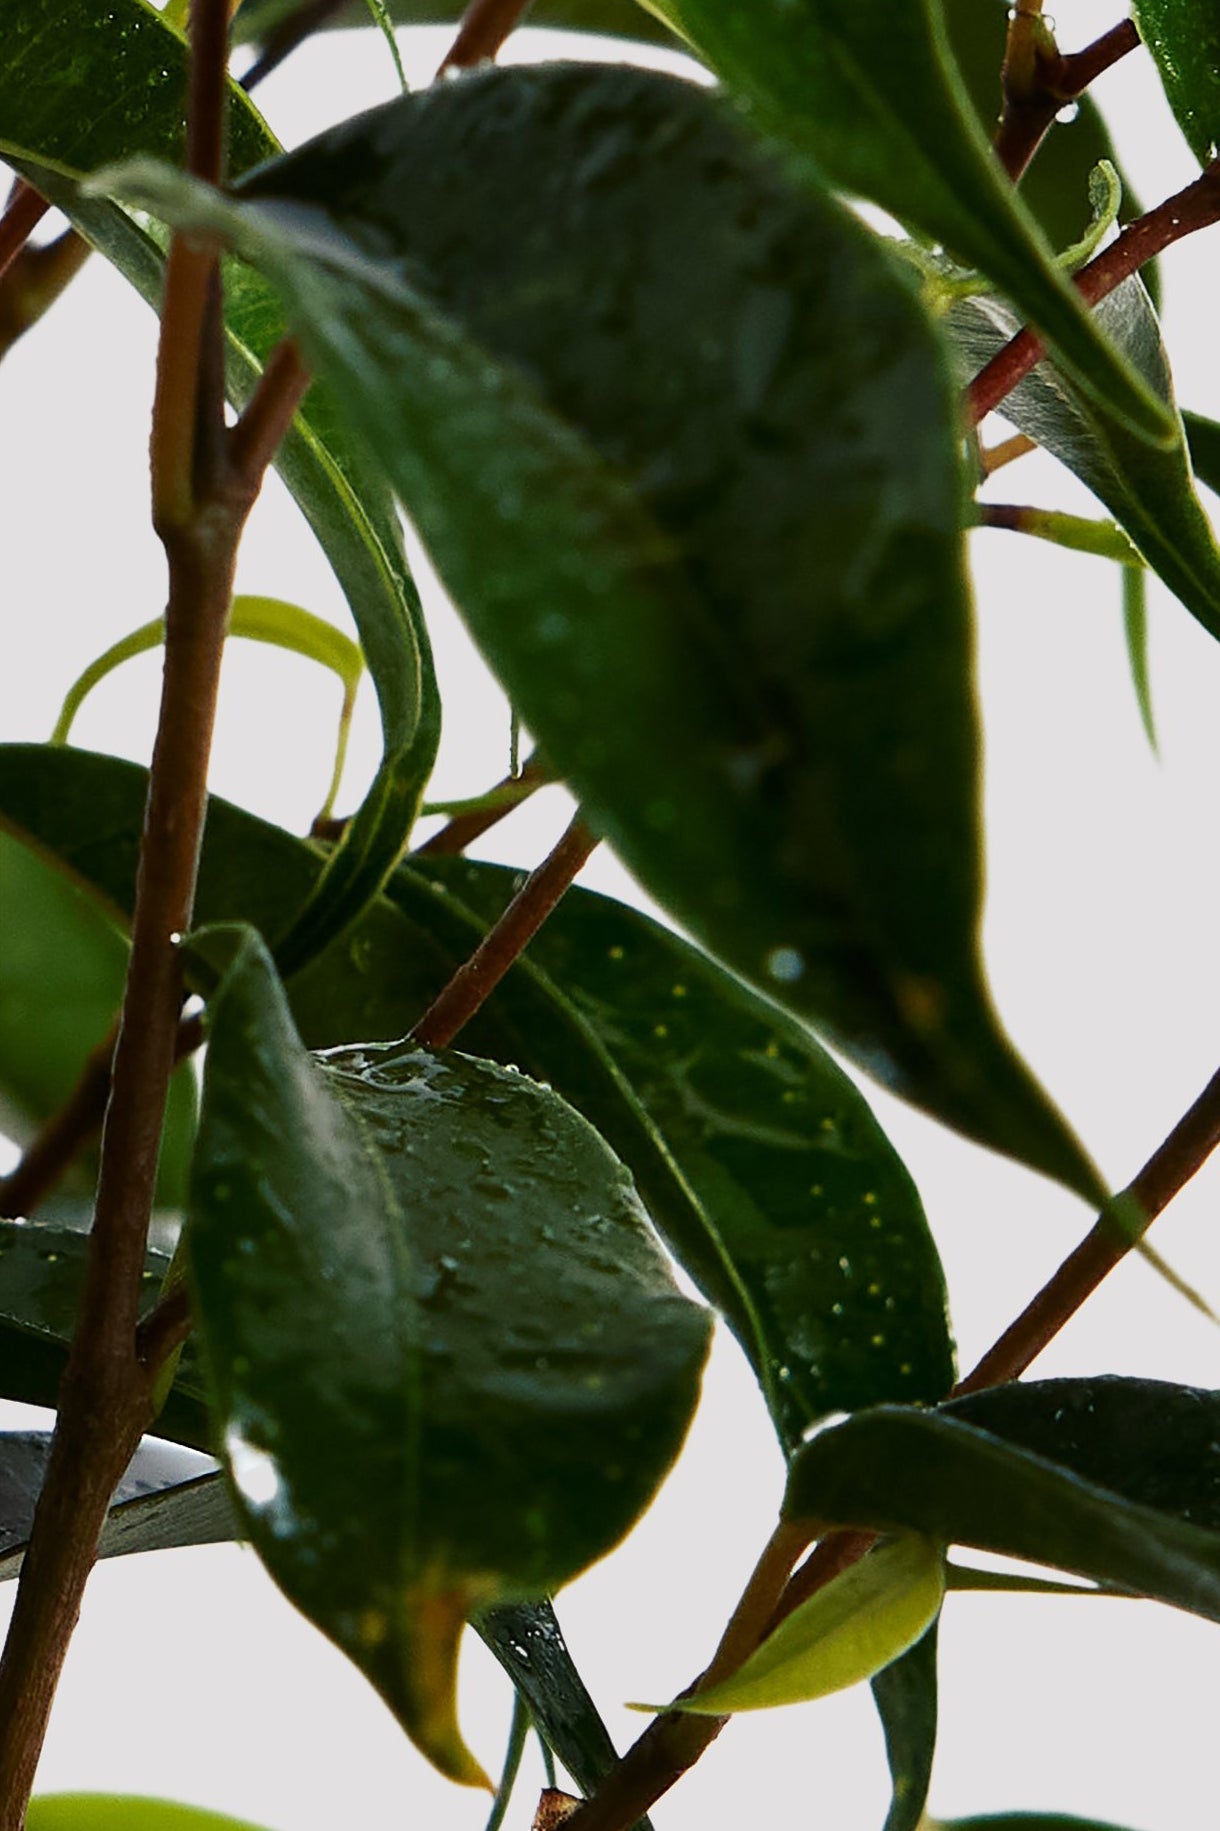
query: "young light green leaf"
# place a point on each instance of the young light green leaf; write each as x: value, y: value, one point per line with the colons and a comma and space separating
x: 859, y: 1622
x: 873, y: 95
x: 1149, y: 490
x: 506, y: 1370
x: 258, y: 619
x: 758, y: 1159
x: 62, y: 968
x: 1114, y: 1479
x: 1135, y: 632
x: 906, y: 1694
x: 62, y: 55
x: 123, y: 1812
x: 771, y: 618
x: 1184, y: 38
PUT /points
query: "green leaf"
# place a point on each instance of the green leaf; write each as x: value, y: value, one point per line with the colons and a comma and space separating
x: 872, y: 94
x: 1149, y: 490
x: 856, y: 1624
x: 905, y: 1694
x: 526, y: 1639
x: 1117, y: 1480
x: 772, y: 623
x: 62, y: 54
x: 808, y: 1234
x: 1203, y: 436
x: 155, y: 1508
x: 123, y: 1812
x: 1021, y: 1821
x: 500, y: 1337
x: 43, y: 1267
x: 759, y: 1161
x: 1184, y: 38
x: 257, y: 619
x: 62, y: 967
x: 1135, y: 632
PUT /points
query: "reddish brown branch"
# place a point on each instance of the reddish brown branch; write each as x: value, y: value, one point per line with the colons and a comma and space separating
x: 25, y: 211
x: 464, y: 829
x: 533, y: 903
x: 1038, y: 81
x: 485, y: 26
x: 1196, y: 207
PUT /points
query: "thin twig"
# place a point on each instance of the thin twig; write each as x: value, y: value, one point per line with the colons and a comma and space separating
x: 1038, y: 81
x: 465, y: 828
x: 283, y: 40
x: 25, y: 211
x: 35, y: 280
x: 258, y: 434
x: 485, y: 26
x: 533, y: 903
x: 1196, y: 207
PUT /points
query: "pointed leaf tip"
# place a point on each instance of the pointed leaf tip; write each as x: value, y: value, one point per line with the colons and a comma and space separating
x: 426, y: 1657
x: 859, y: 1623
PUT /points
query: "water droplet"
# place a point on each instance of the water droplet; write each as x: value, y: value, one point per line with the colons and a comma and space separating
x: 786, y: 964
x: 1068, y: 113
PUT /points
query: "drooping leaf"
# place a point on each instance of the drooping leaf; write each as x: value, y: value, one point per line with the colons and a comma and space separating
x: 772, y: 623
x: 156, y: 1506
x: 1203, y: 436
x: 526, y: 1639
x: 1021, y: 1821
x: 123, y: 1812
x: 758, y: 1159
x: 506, y: 1369
x: 1115, y: 1479
x: 1135, y: 632
x: 1148, y: 489
x: 858, y: 1623
x: 1184, y: 38
x: 62, y: 966
x: 873, y: 95
x: 905, y: 1693
x: 60, y: 56
x: 42, y: 1269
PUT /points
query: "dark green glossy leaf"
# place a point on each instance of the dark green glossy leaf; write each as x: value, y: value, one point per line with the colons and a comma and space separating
x: 60, y: 55
x: 772, y: 625
x: 1148, y: 489
x: 62, y: 966
x: 119, y: 1812
x: 42, y: 1269
x: 758, y: 1159
x: 1114, y: 1479
x: 1203, y: 436
x: 872, y: 93
x: 526, y: 1639
x: 905, y: 1694
x: 156, y: 1506
x: 1184, y: 38
x: 507, y: 1372
x: 839, y: 1292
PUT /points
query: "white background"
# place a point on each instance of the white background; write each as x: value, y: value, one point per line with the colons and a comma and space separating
x: 190, y: 1677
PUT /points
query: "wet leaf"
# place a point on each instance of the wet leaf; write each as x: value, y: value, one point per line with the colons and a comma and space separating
x: 62, y: 967
x: 1149, y: 490
x: 1115, y: 1479
x: 905, y: 1694
x: 42, y: 1269
x: 157, y: 1505
x: 873, y: 95
x: 759, y: 1161
x: 772, y: 623
x: 501, y: 1337
x: 858, y: 1623
x: 1184, y: 38
x: 123, y: 1812
x: 60, y: 55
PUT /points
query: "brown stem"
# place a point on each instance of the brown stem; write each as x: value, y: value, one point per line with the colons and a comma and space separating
x: 108, y: 1394
x: 164, y: 1329
x: 35, y: 280
x: 1038, y: 80
x: 464, y: 829
x: 25, y: 211
x: 1195, y: 207
x: 65, y: 1134
x: 257, y: 436
x: 994, y: 457
x: 485, y: 26
x: 529, y: 909
x: 283, y: 40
